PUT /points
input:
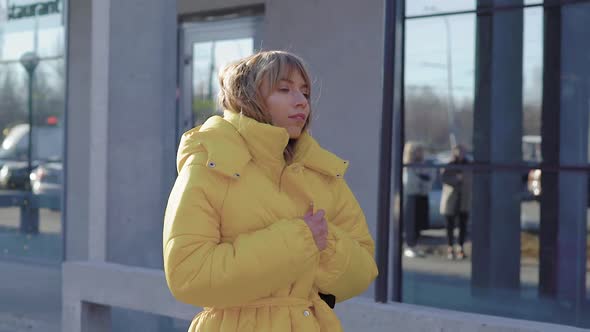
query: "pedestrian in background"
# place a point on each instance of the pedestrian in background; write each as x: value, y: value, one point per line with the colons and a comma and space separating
x: 417, y: 184
x: 261, y: 229
x: 456, y: 201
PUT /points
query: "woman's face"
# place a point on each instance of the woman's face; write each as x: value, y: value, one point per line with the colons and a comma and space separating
x: 419, y: 155
x: 288, y: 103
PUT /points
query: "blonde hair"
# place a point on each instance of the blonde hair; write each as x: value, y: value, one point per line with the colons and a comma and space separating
x: 410, y: 152
x: 241, y: 84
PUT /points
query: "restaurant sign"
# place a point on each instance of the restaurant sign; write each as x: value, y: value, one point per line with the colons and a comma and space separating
x: 34, y: 9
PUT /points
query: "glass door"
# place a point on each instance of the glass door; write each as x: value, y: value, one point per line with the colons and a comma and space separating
x: 206, y: 47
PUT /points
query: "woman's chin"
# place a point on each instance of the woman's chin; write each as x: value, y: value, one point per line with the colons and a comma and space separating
x: 294, y: 133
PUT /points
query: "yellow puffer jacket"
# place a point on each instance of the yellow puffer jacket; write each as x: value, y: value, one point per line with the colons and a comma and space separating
x: 234, y: 239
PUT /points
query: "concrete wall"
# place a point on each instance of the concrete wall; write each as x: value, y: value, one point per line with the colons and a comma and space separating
x: 191, y: 7
x: 78, y: 121
x: 141, y: 129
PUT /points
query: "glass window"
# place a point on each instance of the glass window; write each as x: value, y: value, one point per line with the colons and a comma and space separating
x: 445, y: 267
x: 532, y: 84
x: 501, y: 238
x: 426, y: 7
x: 430, y: 7
x: 32, y: 103
x: 208, y: 59
x: 207, y: 47
x: 439, y: 82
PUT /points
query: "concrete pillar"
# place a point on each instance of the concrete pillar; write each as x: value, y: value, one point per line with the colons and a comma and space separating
x: 77, y: 152
x: 497, y: 135
x: 566, y: 104
x: 121, y: 121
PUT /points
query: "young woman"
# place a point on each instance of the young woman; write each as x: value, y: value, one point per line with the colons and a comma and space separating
x: 417, y: 184
x: 456, y: 201
x: 260, y: 221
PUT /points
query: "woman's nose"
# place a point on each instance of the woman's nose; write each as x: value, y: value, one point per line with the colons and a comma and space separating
x: 300, y: 99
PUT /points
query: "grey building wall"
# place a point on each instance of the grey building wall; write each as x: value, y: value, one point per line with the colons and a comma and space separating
x: 78, y: 121
x: 141, y: 129
x: 188, y: 7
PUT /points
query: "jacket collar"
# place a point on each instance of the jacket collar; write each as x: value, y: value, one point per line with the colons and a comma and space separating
x: 232, y: 141
x: 309, y: 153
x: 265, y: 143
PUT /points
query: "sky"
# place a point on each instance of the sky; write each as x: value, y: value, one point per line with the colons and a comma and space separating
x: 17, y: 36
x: 426, y: 50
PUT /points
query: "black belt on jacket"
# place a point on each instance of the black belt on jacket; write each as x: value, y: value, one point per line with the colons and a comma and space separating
x: 329, y: 299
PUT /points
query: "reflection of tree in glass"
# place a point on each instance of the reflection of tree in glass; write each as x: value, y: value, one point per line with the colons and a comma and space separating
x: 49, y: 91
x: 426, y: 119
x: 49, y: 95
x: 12, y: 100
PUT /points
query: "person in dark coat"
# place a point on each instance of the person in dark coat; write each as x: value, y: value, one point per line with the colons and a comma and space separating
x: 455, y: 201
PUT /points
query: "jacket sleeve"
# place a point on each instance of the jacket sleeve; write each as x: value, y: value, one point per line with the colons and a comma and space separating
x: 347, y: 265
x: 203, y: 271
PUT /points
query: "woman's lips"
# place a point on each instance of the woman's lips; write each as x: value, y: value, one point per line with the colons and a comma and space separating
x: 298, y: 116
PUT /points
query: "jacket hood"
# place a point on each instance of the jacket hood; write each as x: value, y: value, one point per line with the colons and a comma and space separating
x: 233, y: 140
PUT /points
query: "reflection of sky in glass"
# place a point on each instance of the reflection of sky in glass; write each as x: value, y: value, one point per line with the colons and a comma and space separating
x: 16, y: 36
x: 221, y: 52
x: 533, y: 55
x: 17, y: 43
x: 426, y: 54
x: 425, y: 7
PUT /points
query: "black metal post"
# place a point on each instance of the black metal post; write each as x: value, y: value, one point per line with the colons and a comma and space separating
x: 29, y: 222
x: 391, y: 125
x: 30, y: 112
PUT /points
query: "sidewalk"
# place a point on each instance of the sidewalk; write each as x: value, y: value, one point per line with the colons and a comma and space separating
x: 26, y: 305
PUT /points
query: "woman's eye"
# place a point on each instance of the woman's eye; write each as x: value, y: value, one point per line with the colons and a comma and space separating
x: 284, y: 89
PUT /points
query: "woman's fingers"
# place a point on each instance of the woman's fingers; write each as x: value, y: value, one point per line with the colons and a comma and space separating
x: 318, y: 226
x: 320, y: 214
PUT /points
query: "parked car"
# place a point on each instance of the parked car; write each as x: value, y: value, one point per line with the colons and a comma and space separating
x: 14, y: 175
x: 47, y: 145
x: 535, y: 187
x: 46, y: 179
x: 47, y: 184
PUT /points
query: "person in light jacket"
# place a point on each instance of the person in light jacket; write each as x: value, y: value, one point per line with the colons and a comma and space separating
x: 261, y: 229
x: 417, y: 184
x: 456, y: 201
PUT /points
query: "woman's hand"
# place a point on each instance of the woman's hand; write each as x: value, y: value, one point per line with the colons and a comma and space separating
x: 318, y: 226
